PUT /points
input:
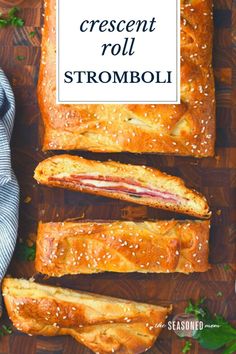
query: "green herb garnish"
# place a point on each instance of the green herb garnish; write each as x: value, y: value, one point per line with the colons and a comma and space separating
x: 187, y: 347
x: 11, y: 19
x: 13, y: 11
x: 216, y: 333
x: 195, y: 309
x: 230, y: 349
x: 32, y: 34
x: 25, y: 252
x: 3, y: 23
x: 5, y: 330
x: 17, y: 22
x: 20, y: 57
x: 227, y: 267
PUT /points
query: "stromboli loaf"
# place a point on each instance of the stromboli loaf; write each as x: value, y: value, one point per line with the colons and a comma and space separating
x: 104, y: 324
x: 138, y: 184
x: 185, y: 129
x: 92, y: 247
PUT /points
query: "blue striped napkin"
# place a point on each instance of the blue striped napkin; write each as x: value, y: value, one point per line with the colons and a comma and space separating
x: 9, y: 190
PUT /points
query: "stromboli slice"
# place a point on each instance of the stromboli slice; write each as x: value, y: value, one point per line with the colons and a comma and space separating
x: 104, y: 324
x: 137, y: 184
x: 122, y: 246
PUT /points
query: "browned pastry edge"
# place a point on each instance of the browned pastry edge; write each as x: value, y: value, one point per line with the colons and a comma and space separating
x: 62, y: 171
x: 103, y: 324
x: 185, y: 129
x: 120, y: 246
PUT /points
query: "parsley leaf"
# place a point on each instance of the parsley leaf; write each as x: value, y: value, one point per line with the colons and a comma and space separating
x: 227, y: 267
x: 32, y: 34
x: 3, y: 23
x: 13, y: 12
x: 17, y: 22
x: 231, y: 349
x: 4, y: 330
x: 187, y: 347
x: 11, y: 19
x: 25, y: 252
x: 195, y: 309
x: 20, y: 57
x: 217, y: 332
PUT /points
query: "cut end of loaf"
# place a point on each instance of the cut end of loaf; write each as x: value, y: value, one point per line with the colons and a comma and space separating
x: 119, y: 326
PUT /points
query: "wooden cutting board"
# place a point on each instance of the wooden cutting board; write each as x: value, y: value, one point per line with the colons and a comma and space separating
x: 215, y: 177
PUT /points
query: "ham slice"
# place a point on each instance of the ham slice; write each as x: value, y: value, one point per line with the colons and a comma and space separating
x: 119, y: 185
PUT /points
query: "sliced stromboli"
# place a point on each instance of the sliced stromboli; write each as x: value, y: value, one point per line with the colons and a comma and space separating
x: 104, y: 324
x: 137, y: 184
x: 122, y: 246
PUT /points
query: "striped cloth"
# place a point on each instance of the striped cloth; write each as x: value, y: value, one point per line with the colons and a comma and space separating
x: 9, y: 190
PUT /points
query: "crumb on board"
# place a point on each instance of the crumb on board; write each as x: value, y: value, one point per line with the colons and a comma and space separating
x: 27, y: 200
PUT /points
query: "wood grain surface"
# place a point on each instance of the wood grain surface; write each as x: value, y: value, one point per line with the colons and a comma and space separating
x: 215, y: 177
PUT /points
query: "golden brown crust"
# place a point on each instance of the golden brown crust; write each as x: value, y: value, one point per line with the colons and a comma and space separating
x: 104, y: 324
x: 185, y: 129
x: 64, y: 171
x: 92, y: 247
